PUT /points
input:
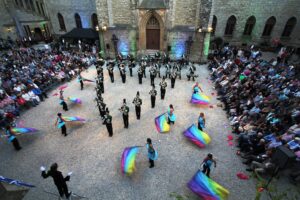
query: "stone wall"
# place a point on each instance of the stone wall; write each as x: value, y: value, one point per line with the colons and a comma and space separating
x: 6, y: 19
x: 184, y: 12
x: 262, y: 10
x: 68, y: 9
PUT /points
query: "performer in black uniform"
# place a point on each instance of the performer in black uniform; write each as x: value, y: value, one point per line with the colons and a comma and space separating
x: 123, y: 73
x: 157, y: 66
x: 192, y: 75
x: 152, y: 74
x: 58, y: 179
x: 153, y: 94
x: 100, y: 82
x: 163, y: 84
x: 110, y: 69
x: 137, y: 101
x: 168, y: 70
x: 107, y: 121
x: 140, y: 75
x: 173, y: 78
x: 125, y: 110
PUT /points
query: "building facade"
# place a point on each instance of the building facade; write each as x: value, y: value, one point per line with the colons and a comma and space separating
x: 175, y: 26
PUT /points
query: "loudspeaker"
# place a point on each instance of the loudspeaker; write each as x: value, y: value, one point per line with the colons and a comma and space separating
x: 283, y: 157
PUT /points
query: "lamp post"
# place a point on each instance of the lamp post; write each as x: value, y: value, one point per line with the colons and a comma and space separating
x: 115, y: 41
x: 101, y: 31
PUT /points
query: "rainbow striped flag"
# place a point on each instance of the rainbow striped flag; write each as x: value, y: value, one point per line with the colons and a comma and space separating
x: 161, y: 124
x: 128, y: 160
x: 206, y: 188
x: 198, y: 137
x: 73, y: 119
x: 199, y: 98
x: 75, y: 100
x: 23, y: 130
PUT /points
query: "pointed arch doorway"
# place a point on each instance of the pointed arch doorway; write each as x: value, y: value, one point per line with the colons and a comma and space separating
x: 153, y: 34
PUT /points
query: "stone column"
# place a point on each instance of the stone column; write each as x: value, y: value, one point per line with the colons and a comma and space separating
x: 102, y: 44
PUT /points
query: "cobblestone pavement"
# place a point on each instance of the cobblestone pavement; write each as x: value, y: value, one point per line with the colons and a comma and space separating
x: 94, y: 158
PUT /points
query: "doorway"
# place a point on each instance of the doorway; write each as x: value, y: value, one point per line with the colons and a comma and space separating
x: 152, y: 34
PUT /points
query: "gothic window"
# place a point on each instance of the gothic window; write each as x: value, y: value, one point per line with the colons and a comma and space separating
x: 61, y: 22
x: 270, y: 23
x: 214, y: 25
x: 42, y: 9
x: 31, y: 5
x: 289, y: 26
x: 249, y: 25
x: 27, y: 4
x: 78, y: 20
x: 230, y: 25
x: 94, y: 19
x: 152, y: 23
x: 21, y: 3
x: 38, y: 7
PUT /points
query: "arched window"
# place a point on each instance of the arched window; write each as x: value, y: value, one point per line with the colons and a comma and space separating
x: 94, y: 19
x: 32, y: 5
x: 61, y: 22
x: 21, y: 3
x: 249, y: 25
x: 42, y: 9
x: 38, y: 7
x: 78, y: 20
x: 289, y: 26
x: 230, y: 25
x: 270, y: 23
x: 214, y: 25
x: 27, y: 4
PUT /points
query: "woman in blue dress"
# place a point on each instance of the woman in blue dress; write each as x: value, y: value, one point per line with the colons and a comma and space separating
x: 207, y: 163
x: 12, y: 138
x: 61, y: 123
x: 152, y: 154
x: 62, y: 101
x: 201, y: 122
x: 197, y: 88
x: 171, y: 115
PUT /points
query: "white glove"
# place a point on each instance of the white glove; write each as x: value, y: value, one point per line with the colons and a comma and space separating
x: 42, y: 168
x: 70, y: 173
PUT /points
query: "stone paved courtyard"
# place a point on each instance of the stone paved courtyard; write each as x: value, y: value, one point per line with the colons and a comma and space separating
x: 94, y: 158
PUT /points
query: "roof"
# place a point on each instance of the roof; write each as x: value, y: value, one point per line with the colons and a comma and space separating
x: 153, y: 4
x: 81, y: 33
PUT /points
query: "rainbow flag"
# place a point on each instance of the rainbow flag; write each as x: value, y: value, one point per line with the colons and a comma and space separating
x: 62, y: 87
x: 23, y: 130
x: 161, y: 124
x: 128, y: 160
x: 198, y: 137
x: 73, y: 119
x: 75, y: 100
x: 199, y: 98
x: 206, y: 188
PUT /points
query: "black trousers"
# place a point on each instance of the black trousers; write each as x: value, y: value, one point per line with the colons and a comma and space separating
x: 65, y: 106
x: 64, y: 130
x: 170, y: 122
x: 16, y: 144
x: 102, y: 113
x: 152, y: 101
x: 140, y: 78
x: 102, y: 87
x: 111, y: 75
x: 206, y: 170
x: 63, y: 190
x: 109, y: 129
x: 138, y: 112
x: 81, y: 85
x: 152, y: 79
x: 172, y: 82
x: 144, y: 72
x: 162, y: 93
x: 199, y: 127
x: 130, y: 71
x: 151, y: 162
x: 125, y: 119
x: 124, y: 78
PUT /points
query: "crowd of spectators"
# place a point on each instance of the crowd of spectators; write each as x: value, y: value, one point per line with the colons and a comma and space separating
x: 27, y: 74
x: 262, y: 101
